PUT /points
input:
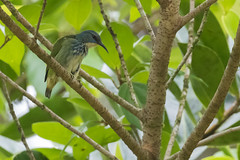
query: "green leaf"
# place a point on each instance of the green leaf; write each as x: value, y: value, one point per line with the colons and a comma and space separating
x: 86, y: 112
x: 218, y: 158
x: 100, y: 134
x: 165, y: 138
x: 140, y: 91
x: 141, y: 77
x: 230, y: 21
x: 145, y: 3
x: 31, y: 13
x: 77, y: 11
x: 94, y: 72
x: 24, y: 156
x: 213, y: 37
x: 55, y: 154
x: 53, y: 131
x: 207, y: 65
x: 112, y: 59
x: 12, y: 53
x: 175, y: 58
x: 226, y: 4
x: 58, y: 105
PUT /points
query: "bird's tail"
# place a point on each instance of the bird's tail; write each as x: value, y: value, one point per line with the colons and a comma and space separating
x: 48, y: 92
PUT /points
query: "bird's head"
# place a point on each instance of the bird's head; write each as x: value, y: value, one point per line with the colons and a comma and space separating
x: 90, y: 38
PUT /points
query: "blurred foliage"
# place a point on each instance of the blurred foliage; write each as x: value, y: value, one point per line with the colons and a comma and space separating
x: 64, y: 17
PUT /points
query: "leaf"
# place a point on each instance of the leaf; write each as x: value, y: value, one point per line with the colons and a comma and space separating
x: 226, y: 4
x: 165, y: 138
x: 140, y: 90
x: 12, y: 53
x: 230, y: 21
x: 77, y: 11
x: 213, y: 37
x: 55, y: 154
x: 94, y: 72
x: 86, y: 112
x: 24, y: 156
x: 53, y: 131
x: 58, y: 105
x: 218, y: 158
x: 99, y: 134
x: 141, y: 77
x: 112, y: 59
x: 31, y: 13
x: 146, y: 4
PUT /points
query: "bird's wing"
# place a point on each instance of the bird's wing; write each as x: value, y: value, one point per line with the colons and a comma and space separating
x: 56, y: 48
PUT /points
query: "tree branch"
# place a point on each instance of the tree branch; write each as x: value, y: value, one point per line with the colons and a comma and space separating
x: 217, y: 135
x: 190, y: 49
x: 26, y: 24
x: 216, y: 101
x: 119, y: 50
x: 61, y: 72
x: 57, y: 118
x: 154, y: 109
x: 145, y: 20
x: 228, y: 113
x: 23, y: 139
x: 40, y: 18
x: 185, y: 88
x: 197, y: 10
x: 85, y: 75
x: 128, y: 106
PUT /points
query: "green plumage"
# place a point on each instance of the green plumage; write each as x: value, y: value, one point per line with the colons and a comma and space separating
x: 69, y: 51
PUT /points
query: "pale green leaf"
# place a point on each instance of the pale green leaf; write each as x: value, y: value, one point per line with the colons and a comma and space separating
x: 12, y: 53
x: 77, y: 11
x: 53, y: 131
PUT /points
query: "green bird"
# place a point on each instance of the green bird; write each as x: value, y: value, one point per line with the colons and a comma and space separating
x: 69, y: 51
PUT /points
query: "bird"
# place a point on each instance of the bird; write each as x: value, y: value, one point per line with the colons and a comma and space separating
x: 69, y: 51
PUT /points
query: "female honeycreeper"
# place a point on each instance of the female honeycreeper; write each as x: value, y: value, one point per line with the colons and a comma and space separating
x: 69, y: 51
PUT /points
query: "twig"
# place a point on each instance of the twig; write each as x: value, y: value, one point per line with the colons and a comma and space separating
x: 26, y: 24
x: 6, y: 94
x: 185, y: 88
x: 40, y: 18
x: 57, y: 118
x: 196, y: 11
x: 216, y: 101
x: 217, y: 135
x: 82, y: 91
x: 119, y: 50
x: 174, y: 156
x: 228, y: 113
x: 145, y: 20
x: 7, y: 39
x: 190, y: 49
x: 118, y: 99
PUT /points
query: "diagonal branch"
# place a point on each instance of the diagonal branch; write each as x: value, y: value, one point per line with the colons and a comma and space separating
x: 145, y: 20
x: 196, y: 11
x: 6, y: 94
x: 216, y: 101
x: 26, y: 24
x: 217, y: 135
x: 57, y: 118
x: 40, y: 18
x: 61, y: 72
x: 85, y: 75
x: 119, y: 50
x: 128, y: 106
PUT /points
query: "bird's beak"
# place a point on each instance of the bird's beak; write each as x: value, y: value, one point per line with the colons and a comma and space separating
x: 101, y: 44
